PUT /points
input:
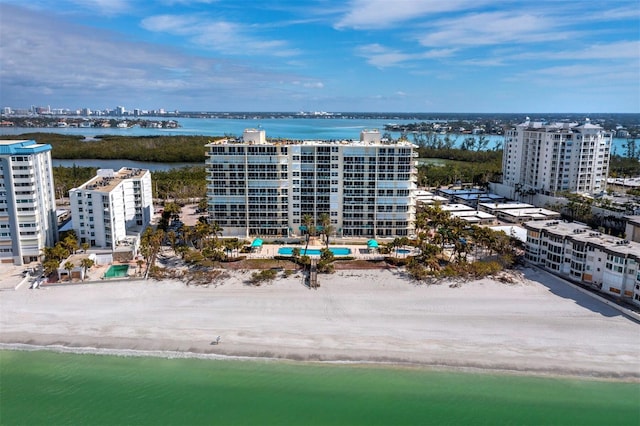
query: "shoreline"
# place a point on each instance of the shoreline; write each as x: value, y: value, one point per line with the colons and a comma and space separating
x: 388, y: 364
x: 538, y: 326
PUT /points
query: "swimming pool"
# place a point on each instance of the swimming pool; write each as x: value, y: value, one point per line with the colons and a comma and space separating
x: 117, y: 271
x: 404, y: 251
x: 337, y: 251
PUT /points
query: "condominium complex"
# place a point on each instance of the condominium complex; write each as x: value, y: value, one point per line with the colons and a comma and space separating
x: 27, y: 201
x: 112, y: 209
x: 552, y: 158
x: 255, y: 187
x: 573, y: 250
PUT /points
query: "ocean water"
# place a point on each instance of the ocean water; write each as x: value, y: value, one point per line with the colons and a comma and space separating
x: 290, y: 128
x: 53, y: 389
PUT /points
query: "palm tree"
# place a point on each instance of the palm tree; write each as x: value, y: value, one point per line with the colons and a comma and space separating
x: 393, y: 245
x: 295, y: 253
x: 200, y: 231
x: 172, y: 237
x: 86, y: 263
x: 172, y: 210
x: 68, y: 265
x: 307, y: 221
x: 327, y: 228
x: 150, y: 244
x: 70, y: 242
x: 216, y: 230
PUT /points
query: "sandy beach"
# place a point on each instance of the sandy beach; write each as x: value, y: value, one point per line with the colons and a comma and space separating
x: 536, y: 325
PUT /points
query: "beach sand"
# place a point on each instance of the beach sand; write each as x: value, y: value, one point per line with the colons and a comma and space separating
x: 538, y: 325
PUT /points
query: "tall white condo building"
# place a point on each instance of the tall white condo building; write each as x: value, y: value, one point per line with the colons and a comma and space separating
x: 27, y: 201
x: 261, y: 188
x: 558, y: 157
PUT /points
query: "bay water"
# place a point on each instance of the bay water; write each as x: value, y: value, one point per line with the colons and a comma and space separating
x: 289, y: 128
x: 51, y: 388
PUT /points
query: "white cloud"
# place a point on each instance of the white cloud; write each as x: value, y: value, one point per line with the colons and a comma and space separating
x: 45, y: 57
x: 493, y: 28
x: 379, y: 14
x: 615, y: 50
x: 383, y: 57
x: 221, y: 36
x: 105, y: 7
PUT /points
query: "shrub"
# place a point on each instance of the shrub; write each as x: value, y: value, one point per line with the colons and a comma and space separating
x: 398, y: 261
x: 484, y: 268
x: 258, y: 278
x: 418, y: 272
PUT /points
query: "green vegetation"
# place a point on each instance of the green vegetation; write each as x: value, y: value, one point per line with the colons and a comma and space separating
x: 450, y: 247
x: 180, y: 184
x: 67, y: 245
x: 457, y: 166
x: 175, y: 184
x: 265, y: 276
x: 159, y: 149
x: 623, y: 166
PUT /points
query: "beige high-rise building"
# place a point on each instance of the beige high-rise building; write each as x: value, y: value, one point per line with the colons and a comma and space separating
x: 259, y: 188
x: 554, y: 158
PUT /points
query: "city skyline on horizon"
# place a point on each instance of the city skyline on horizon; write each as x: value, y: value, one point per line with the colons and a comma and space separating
x: 360, y: 56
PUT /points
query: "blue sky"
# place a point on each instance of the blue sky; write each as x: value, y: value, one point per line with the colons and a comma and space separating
x: 322, y: 55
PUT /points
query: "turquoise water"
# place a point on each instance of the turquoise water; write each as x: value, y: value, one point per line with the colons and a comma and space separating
x: 41, y: 388
x: 337, y: 251
x: 117, y: 271
x: 291, y: 128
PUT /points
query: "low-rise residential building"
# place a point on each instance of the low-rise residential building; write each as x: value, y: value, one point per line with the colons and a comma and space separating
x: 576, y: 252
x: 111, y: 210
x: 471, y: 197
x: 518, y: 212
x: 475, y: 217
x: 28, y: 221
x: 428, y: 198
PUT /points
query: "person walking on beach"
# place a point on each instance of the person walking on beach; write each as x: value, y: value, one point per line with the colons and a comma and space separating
x: 218, y: 340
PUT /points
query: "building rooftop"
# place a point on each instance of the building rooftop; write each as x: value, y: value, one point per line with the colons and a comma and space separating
x: 25, y: 147
x: 108, y: 179
x: 533, y: 213
x: 346, y: 142
x: 506, y: 206
x: 456, y: 208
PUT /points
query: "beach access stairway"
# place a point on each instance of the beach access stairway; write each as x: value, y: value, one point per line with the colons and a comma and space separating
x: 313, y: 273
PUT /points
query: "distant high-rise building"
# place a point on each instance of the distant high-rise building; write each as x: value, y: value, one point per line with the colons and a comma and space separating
x: 260, y: 188
x: 120, y: 110
x: 28, y: 221
x: 113, y: 208
x: 553, y: 158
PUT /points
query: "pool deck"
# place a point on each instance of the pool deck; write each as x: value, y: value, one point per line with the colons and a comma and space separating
x: 268, y: 251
